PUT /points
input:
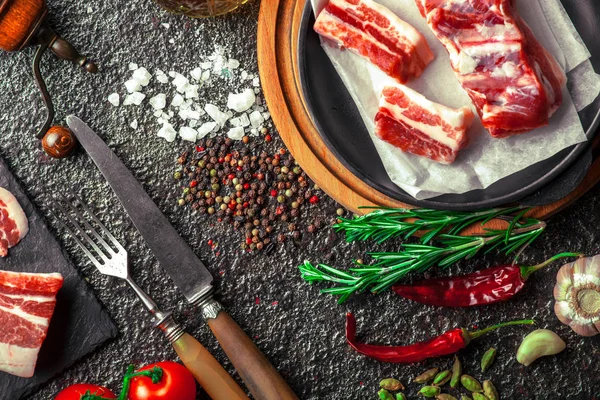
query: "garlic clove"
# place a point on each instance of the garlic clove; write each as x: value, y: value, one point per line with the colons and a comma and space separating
x: 539, y: 343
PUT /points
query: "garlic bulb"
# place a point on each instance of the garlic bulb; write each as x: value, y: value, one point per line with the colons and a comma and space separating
x: 539, y: 343
x: 577, y: 295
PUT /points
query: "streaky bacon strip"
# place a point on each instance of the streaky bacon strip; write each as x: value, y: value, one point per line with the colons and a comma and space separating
x: 373, y: 31
x: 515, y: 84
x: 27, y: 303
x: 13, y: 222
x: 407, y: 120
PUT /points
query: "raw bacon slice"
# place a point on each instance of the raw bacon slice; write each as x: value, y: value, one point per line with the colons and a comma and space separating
x: 373, y: 31
x: 26, y: 305
x: 13, y: 222
x: 407, y: 120
x: 515, y: 84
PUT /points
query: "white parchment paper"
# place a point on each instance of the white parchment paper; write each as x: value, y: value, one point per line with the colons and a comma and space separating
x: 485, y: 160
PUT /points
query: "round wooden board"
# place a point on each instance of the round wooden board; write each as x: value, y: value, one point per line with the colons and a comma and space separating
x: 279, y: 24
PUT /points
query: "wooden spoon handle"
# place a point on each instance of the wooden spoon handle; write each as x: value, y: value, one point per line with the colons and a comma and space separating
x: 206, y: 369
x: 261, y: 378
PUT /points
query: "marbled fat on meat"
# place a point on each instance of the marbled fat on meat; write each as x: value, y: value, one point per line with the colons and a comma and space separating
x: 374, y: 32
x: 27, y: 303
x: 407, y: 120
x: 515, y: 84
x: 13, y: 222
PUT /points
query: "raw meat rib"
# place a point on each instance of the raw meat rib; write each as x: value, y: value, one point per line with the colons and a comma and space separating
x: 513, y: 81
x: 26, y: 305
x: 407, y: 120
x: 376, y: 33
x: 13, y: 222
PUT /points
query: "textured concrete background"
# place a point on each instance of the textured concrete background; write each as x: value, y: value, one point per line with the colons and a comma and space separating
x: 302, y: 333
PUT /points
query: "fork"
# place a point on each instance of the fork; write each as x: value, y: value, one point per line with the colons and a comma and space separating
x: 113, y: 261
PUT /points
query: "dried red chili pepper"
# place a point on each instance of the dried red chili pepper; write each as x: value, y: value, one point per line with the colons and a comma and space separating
x: 487, y: 286
x: 443, y: 345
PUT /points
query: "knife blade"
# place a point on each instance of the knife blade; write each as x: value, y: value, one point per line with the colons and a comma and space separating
x: 184, y: 267
x: 173, y: 253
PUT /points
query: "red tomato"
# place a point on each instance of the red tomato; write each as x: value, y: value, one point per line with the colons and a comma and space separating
x: 74, y: 392
x: 177, y: 383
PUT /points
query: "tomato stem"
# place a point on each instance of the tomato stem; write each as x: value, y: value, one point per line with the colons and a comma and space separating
x: 91, y: 396
x: 155, y: 374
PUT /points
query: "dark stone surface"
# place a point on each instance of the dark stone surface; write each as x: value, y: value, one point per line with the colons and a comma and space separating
x: 80, y: 324
x: 303, y: 332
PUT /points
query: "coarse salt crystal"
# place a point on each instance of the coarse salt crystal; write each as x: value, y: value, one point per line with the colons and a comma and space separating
x: 206, y: 75
x: 162, y: 78
x: 206, y: 65
x: 158, y: 113
x: 133, y: 66
x: 240, y: 102
x: 90, y: 10
x: 134, y: 124
x: 159, y: 101
x: 266, y: 115
x: 177, y: 100
x: 233, y: 63
x: 192, y: 123
x: 242, y: 121
x: 256, y: 82
x: 236, y: 133
x: 188, y: 133
x: 180, y: 82
x: 196, y: 73
x: 218, y: 116
x: 167, y: 132
x: 256, y: 119
x: 114, y: 99
x: 256, y: 90
x: 206, y: 128
x: 244, y: 75
x: 172, y: 74
x: 188, y: 113
x: 172, y: 41
x: 133, y: 85
x: 134, y: 98
x: 191, y: 91
x: 142, y: 76
x: 253, y: 132
x: 166, y: 25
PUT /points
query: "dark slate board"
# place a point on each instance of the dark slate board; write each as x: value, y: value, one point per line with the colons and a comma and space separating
x: 79, y: 324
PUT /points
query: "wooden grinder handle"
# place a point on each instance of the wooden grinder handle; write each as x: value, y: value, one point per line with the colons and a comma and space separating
x: 261, y: 378
x: 206, y: 369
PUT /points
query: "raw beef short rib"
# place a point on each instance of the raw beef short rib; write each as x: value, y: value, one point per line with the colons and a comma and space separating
x: 374, y: 32
x: 515, y: 84
x: 407, y: 120
x: 13, y: 222
x: 26, y: 305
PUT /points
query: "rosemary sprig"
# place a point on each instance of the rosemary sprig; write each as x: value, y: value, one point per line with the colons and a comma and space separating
x: 389, y: 267
x: 386, y: 223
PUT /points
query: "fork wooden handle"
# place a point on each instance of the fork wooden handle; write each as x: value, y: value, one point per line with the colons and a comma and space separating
x: 213, y: 378
x: 261, y: 378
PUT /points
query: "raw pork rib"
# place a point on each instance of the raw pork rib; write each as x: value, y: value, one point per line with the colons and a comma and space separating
x: 513, y: 81
x: 407, y: 120
x: 376, y: 33
x: 26, y: 305
x: 13, y: 222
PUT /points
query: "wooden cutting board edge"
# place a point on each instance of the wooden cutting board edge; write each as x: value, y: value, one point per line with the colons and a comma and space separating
x: 278, y: 30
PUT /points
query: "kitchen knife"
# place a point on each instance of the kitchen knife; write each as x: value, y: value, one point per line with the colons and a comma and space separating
x: 184, y: 267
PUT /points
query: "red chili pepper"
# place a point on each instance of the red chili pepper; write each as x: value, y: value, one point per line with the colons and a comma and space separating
x: 488, y: 286
x: 443, y: 345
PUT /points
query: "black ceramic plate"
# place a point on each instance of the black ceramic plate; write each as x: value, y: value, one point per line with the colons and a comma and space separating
x: 335, y: 114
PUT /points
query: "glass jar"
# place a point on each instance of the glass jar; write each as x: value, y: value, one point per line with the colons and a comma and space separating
x: 200, y: 8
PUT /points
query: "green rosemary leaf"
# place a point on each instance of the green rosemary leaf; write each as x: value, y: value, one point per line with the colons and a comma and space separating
x: 514, y: 223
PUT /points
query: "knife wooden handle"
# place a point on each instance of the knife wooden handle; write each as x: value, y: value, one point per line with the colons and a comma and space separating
x: 261, y: 378
x: 206, y: 369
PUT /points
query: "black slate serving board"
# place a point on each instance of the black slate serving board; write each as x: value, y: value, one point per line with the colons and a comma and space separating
x: 79, y: 324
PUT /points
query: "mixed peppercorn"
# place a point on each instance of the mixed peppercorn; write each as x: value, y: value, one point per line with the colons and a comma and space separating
x: 260, y: 194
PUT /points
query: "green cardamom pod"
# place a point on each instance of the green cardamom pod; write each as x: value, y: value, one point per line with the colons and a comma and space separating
x: 490, y: 390
x: 426, y: 376
x: 487, y: 359
x: 471, y: 384
x: 430, y: 391
x: 400, y: 396
x: 463, y: 397
x: 442, y: 377
x: 385, y: 395
x: 444, y: 396
x: 456, y: 372
x: 479, y: 396
x: 391, y: 384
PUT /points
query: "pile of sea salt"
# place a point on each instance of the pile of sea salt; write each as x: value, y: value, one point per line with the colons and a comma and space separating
x: 178, y: 109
